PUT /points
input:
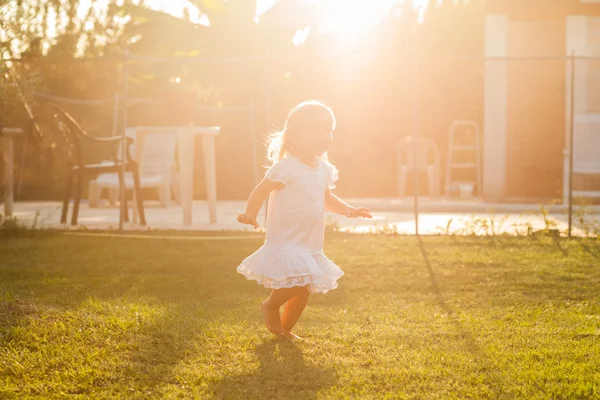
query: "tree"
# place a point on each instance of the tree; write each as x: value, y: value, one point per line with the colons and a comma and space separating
x: 48, y: 39
x: 233, y: 42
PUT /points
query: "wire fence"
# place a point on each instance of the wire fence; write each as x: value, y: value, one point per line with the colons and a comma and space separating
x: 491, y: 128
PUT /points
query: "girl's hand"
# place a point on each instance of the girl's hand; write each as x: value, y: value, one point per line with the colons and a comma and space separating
x: 248, y: 219
x: 360, y: 212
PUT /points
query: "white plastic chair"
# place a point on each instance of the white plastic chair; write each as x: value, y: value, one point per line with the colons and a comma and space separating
x: 586, y: 157
x: 427, y: 150
x: 158, y: 171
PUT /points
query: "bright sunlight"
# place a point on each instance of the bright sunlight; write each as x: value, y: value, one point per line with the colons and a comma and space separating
x: 348, y: 19
x: 299, y: 199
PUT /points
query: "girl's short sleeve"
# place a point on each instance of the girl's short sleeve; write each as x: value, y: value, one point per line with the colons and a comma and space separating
x: 331, y: 175
x: 279, y: 172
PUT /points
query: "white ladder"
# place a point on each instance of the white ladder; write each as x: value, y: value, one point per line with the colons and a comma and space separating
x: 471, y: 130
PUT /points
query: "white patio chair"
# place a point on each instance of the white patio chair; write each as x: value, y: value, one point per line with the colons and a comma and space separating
x: 158, y: 171
x: 428, y: 161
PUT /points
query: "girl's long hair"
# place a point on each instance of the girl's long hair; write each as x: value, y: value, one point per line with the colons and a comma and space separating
x: 311, y: 114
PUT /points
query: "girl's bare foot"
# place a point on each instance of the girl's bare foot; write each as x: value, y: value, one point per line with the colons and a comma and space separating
x: 272, y: 318
x: 293, y: 337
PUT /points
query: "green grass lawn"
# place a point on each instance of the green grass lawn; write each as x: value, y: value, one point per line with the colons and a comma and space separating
x: 155, y: 318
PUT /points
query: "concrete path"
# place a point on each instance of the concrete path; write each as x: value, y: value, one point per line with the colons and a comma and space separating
x: 390, y: 215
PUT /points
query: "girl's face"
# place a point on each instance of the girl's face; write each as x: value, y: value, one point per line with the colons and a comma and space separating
x: 314, y: 143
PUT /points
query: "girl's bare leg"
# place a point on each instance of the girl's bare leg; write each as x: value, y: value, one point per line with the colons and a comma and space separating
x: 271, y: 306
x: 293, y: 310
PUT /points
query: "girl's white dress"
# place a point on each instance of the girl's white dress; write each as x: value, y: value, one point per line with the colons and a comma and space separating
x: 293, y: 251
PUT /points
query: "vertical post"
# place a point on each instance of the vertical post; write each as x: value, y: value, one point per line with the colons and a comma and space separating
x: 186, y: 173
x: 32, y: 125
x: 122, y: 192
x: 22, y: 166
x: 571, y: 141
x: 416, y: 127
x: 210, y: 169
x: 8, y: 174
x: 115, y: 127
x: 495, y: 107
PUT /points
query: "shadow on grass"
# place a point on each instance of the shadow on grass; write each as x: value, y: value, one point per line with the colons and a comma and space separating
x: 556, y: 240
x: 282, y: 374
x: 593, y: 251
x: 13, y: 313
x: 158, y: 347
x: 485, y: 364
x: 149, y: 299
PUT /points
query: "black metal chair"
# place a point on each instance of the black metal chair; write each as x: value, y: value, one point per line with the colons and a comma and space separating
x: 73, y: 135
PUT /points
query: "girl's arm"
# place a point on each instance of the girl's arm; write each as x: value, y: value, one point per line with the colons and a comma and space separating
x: 256, y: 200
x: 336, y: 205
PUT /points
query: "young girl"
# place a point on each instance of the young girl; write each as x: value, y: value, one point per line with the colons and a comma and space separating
x: 299, y: 184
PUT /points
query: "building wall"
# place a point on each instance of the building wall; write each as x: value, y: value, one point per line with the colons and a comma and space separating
x: 536, y: 109
x: 523, y: 155
x: 542, y: 9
